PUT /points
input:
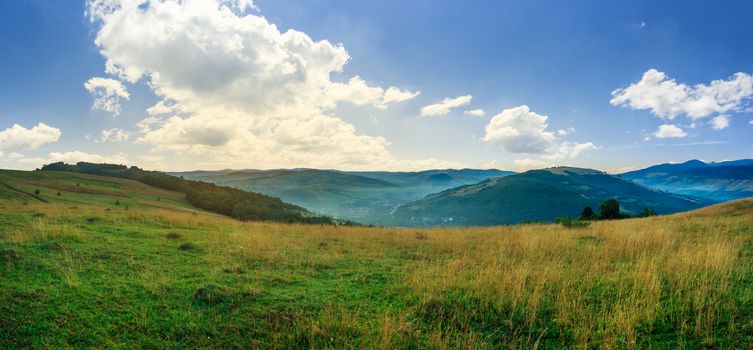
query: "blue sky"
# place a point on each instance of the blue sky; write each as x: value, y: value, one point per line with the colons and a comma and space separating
x: 562, y: 60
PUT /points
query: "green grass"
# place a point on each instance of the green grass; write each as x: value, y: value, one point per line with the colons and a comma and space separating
x: 80, y: 272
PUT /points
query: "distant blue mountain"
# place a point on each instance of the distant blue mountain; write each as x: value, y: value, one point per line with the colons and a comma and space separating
x: 718, y: 182
x: 367, y: 197
x: 537, y: 195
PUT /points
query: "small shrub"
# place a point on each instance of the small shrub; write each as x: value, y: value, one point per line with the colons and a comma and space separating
x: 572, y: 223
x: 609, y: 209
x: 236, y: 269
x: 587, y: 214
x: 9, y: 255
x: 53, y: 247
x: 58, y: 194
x: 646, y: 212
x: 173, y: 235
x: 188, y: 247
x: 211, y: 294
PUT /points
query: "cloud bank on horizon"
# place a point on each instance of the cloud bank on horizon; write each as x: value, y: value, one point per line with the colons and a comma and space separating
x: 235, y: 91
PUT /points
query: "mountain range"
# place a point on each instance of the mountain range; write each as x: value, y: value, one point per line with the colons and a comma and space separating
x: 366, y: 197
x: 491, y: 197
x: 537, y: 195
x: 718, y: 182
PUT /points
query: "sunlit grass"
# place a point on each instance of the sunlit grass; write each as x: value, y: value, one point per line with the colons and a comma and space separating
x: 677, y: 281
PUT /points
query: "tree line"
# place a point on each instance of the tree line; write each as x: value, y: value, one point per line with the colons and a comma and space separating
x: 610, y: 210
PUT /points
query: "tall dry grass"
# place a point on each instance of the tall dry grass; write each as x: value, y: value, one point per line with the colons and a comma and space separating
x: 607, y: 285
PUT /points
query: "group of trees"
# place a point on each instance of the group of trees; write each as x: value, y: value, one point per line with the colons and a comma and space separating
x: 610, y: 210
x: 242, y: 205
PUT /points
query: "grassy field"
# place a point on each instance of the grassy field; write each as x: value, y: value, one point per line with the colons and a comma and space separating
x: 78, y: 271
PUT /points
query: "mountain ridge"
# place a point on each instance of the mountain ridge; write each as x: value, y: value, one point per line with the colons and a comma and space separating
x: 537, y: 195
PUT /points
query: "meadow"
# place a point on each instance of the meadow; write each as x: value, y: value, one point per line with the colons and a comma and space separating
x: 81, y: 272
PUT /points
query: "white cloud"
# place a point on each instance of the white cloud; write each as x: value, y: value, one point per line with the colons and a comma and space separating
x: 565, y: 132
x: 669, y: 131
x: 238, y: 85
x: 475, y: 112
x: 667, y: 99
x: 443, y: 107
x: 519, y: 130
x: 18, y: 138
x: 114, y: 135
x: 161, y: 107
x: 393, y: 95
x: 720, y: 122
x: 107, y: 94
x: 751, y: 122
x: 569, y: 150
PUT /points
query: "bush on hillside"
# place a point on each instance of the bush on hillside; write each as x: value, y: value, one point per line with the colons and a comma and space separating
x: 609, y: 210
x: 646, y: 212
x: 572, y: 223
x: 587, y: 214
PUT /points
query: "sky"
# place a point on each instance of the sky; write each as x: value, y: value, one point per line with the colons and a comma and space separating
x: 374, y: 85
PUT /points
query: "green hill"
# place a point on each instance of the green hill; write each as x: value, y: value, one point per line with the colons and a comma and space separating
x: 239, y: 204
x: 80, y: 271
x: 537, y: 195
x: 365, y: 197
x: 84, y: 189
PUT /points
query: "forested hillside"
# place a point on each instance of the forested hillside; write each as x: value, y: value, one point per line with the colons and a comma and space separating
x: 223, y: 200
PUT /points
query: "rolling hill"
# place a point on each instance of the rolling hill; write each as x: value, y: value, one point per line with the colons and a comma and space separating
x: 80, y: 271
x: 366, y: 197
x: 537, y: 195
x: 718, y: 182
x: 77, y: 189
x: 229, y: 201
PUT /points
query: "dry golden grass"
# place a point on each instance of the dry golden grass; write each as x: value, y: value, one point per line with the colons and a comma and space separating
x: 607, y: 285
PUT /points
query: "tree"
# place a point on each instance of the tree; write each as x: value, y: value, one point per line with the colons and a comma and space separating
x: 36, y: 192
x: 587, y: 214
x: 646, y: 212
x: 609, y: 210
x: 117, y: 202
x: 58, y: 194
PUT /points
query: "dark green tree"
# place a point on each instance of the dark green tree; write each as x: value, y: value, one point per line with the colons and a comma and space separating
x: 646, y: 212
x: 587, y: 214
x: 36, y: 192
x: 609, y: 209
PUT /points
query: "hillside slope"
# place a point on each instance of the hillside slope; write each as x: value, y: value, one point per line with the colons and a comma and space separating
x: 239, y: 204
x: 713, y: 181
x: 84, y: 189
x: 366, y: 197
x: 78, y: 271
x: 537, y: 195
